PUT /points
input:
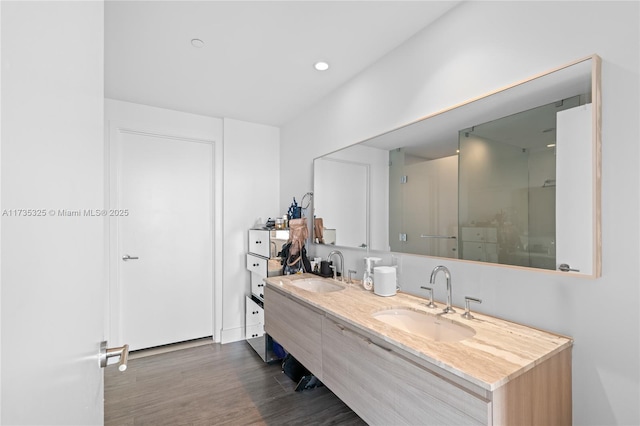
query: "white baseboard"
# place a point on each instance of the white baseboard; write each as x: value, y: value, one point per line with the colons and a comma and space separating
x: 232, y: 335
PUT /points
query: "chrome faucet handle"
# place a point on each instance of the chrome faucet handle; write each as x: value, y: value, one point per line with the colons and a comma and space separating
x: 349, y: 272
x: 333, y: 268
x: 335, y: 275
x: 467, y: 311
x: 430, y: 291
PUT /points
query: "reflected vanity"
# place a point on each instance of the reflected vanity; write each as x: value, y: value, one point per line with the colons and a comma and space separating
x: 510, y: 178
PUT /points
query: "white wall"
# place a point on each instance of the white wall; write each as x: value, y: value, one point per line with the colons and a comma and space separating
x: 164, y: 121
x: 251, y: 195
x: 476, y: 48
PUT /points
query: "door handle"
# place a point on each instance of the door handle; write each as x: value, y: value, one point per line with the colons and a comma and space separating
x: 106, y: 353
x: 566, y: 268
x: 127, y: 257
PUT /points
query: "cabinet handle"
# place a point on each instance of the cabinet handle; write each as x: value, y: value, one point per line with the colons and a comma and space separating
x: 258, y: 242
x: 260, y: 285
x: 370, y: 342
x: 366, y: 339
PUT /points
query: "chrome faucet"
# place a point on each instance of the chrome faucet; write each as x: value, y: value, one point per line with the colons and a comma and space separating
x: 335, y: 270
x: 447, y: 276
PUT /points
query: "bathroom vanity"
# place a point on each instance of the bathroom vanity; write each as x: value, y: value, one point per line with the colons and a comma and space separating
x: 483, y: 371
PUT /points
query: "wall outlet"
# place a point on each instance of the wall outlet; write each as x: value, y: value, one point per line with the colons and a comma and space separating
x: 396, y: 261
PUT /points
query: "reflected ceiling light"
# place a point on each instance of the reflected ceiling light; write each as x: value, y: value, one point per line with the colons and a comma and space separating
x: 196, y: 42
x: 321, y: 66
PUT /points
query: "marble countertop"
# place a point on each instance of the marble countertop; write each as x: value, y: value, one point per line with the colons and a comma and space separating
x: 498, y: 352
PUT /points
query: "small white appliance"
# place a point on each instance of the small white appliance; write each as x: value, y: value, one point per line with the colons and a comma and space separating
x: 384, y: 280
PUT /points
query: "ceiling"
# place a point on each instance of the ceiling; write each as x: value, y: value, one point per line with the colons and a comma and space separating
x: 257, y: 61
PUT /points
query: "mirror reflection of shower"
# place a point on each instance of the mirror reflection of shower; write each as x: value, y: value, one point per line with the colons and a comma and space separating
x: 507, y: 187
x: 423, y: 195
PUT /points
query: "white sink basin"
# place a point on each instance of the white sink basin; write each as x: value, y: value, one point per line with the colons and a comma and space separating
x: 317, y: 285
x: 425, y: 325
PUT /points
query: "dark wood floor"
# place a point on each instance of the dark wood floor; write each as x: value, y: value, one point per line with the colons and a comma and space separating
x: 215, y: 385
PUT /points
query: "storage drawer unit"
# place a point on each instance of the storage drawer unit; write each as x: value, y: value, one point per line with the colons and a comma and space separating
x: 264, y: 244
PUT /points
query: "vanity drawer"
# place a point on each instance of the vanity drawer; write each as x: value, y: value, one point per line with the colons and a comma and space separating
x: 254, y: 319
x: 257, y: 285
x: 423, y: 395
x: 257, y: 264
x: 259, y: 242
x: 399, y: 392
x: 254, y: 312
x: 358, y: 374
x: 296, y: 327
x: 253, y: 331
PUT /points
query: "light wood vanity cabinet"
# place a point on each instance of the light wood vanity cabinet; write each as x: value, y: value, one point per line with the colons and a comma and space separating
x: 358, y: 373
x: 383, y: 387
x: 296, y: 327
x: 385, y: 381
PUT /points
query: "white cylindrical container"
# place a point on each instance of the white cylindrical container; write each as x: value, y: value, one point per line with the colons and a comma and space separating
x: 384, y: 280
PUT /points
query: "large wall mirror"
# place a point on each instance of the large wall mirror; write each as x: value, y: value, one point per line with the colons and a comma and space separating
x: 510, y: 178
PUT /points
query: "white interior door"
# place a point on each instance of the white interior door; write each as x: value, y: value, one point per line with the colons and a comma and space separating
x: 164, y: 188
x: 53, y: 263
x: 343, y: 183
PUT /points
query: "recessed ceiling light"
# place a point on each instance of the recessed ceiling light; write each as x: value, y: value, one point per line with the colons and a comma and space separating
x: 321, y: 66
x: 196, y: 42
